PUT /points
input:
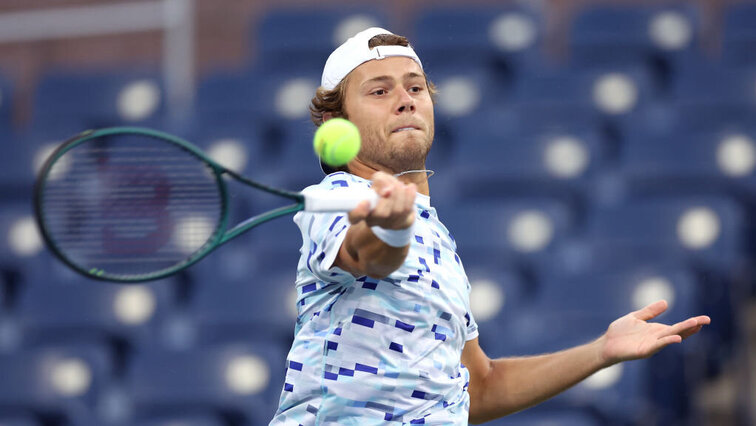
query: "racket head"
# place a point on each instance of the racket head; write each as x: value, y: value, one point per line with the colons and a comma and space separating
x: 128, y: 204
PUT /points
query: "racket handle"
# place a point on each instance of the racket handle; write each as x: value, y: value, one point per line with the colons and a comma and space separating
x: 338, y: 200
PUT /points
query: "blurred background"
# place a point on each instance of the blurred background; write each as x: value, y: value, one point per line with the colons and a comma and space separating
x: 591, y: 156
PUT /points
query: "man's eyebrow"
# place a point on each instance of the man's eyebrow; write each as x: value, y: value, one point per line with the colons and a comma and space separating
x: 386, y: 78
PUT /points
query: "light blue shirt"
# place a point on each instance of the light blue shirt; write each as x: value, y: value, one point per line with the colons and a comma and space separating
x: 369, y: 351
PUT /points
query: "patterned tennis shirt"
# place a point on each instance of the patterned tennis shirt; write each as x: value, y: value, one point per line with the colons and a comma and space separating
x: 369, y: 351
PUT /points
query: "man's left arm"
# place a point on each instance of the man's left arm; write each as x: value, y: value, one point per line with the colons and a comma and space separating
x: 504, y: 386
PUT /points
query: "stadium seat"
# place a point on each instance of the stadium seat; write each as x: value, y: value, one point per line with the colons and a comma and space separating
x: 285, y: 34
x: 18, y: 420
x: 738, y: 34
x: 183, y: 420
x: 85, y: 310
x: 559, y: 158
x: 662, y: 38
x: 703, y: 230
x: 6, y: 103
x: 464, y: 90
x: 539, y: 416
x: 680, y: 161
x: 30, y: 148
x: 20, y: 239
x: 276, y: 104
x: 612, y: 90
x: 56, y: 381
x: 228, y: 94
x: 716, y: 86
x: 505, y: 39
x: 99, y: 99
x: 515, y: 230
x: 613, y: 291
x: 618, y: 393
x: 235, y: 380
x: 262, y: 303
x: 497, y: 295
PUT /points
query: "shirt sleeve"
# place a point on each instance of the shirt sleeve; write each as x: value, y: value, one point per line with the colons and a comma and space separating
x: 472, y: 326
x: 322, y: 235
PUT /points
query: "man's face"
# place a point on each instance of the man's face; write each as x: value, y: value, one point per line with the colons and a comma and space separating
x: 388, y: 101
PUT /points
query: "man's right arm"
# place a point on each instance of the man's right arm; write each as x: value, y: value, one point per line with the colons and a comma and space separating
x: 362, y: 252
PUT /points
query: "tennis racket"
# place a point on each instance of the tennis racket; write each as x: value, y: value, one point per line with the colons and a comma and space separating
x: 130, y: 204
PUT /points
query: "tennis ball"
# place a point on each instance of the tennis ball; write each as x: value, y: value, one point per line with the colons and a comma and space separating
x: 337, y: 141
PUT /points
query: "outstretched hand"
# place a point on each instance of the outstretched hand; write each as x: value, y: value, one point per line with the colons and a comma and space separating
x: 633, y: 337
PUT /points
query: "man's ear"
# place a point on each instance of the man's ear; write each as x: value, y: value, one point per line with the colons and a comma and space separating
x: 327, y: 116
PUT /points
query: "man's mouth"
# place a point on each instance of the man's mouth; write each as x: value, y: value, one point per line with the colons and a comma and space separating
x: 404, y: 129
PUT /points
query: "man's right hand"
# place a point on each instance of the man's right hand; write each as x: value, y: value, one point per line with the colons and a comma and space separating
x: 362, y: 252
x: 396, y: 204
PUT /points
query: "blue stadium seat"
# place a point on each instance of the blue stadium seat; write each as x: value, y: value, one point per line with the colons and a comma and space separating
x: 562, y: 154
x: 498, y: 294
x: 506, y: 38
x: 284, y: 34
x: 235, y: 142
x: 703, y: 230
x: 262, y: 303
x: 183, y: 420
x: 683, y: 160
x: 239, y: 380
x: 30, y: 148
x: 514, y: 230
x: 738, y: 33
x: 61, y: 381
x: 20, y: 240
x: 619, y: 393
x: 99, y: 99
x: 226, y: 92
x: 464, y: 90
x: 49, y: 309
x: 612, y: 288
x: 612, y: 90
x: 298, y: 166
x: 277, y: 104
x: 661, y: 37
x: 18, y: 420
x: 540, y: 416
x: 616, y: 291
x: 715, y: 85
x: 6, y: 103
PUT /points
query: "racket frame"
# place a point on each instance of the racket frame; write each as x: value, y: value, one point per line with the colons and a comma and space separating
x: 219, y: 236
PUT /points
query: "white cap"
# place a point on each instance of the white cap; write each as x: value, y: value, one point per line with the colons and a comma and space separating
x: 355, y: 51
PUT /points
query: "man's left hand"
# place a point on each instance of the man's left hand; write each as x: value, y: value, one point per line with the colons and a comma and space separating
x: 633, y: 337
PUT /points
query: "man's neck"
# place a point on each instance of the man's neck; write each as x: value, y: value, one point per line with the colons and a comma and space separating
x: 365, y: 171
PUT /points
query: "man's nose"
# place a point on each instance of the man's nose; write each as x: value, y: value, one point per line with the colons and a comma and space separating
x: 406, y: 102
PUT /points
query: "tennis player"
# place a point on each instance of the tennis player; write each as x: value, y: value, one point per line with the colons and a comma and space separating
x: 384, y: 333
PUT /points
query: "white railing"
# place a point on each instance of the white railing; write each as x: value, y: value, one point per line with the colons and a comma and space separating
x: 174, y: 17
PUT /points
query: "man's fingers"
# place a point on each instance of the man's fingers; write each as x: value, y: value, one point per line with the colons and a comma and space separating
x: 668, y: 340
x: 651, y: 311
x: 360, y: 212
x: 688, y: 327
x: 381, y: 181
x: 411, y: 194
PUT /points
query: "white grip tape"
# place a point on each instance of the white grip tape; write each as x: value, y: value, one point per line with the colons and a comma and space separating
x: 338, y: 200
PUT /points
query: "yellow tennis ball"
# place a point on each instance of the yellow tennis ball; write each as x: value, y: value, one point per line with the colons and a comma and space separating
x: 337, y: 141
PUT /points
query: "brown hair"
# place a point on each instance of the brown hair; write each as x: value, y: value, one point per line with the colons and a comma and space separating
x: 332, y: 101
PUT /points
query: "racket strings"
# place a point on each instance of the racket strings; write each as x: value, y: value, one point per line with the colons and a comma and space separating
x: 130, y: 205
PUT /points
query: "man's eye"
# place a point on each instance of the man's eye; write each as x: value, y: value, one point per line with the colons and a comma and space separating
x: 379, y: 92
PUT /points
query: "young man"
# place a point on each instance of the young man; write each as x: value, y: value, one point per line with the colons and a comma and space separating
x: 385, y: 333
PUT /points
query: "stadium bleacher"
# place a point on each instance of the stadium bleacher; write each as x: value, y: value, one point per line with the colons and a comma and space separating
x: 623, y: 174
